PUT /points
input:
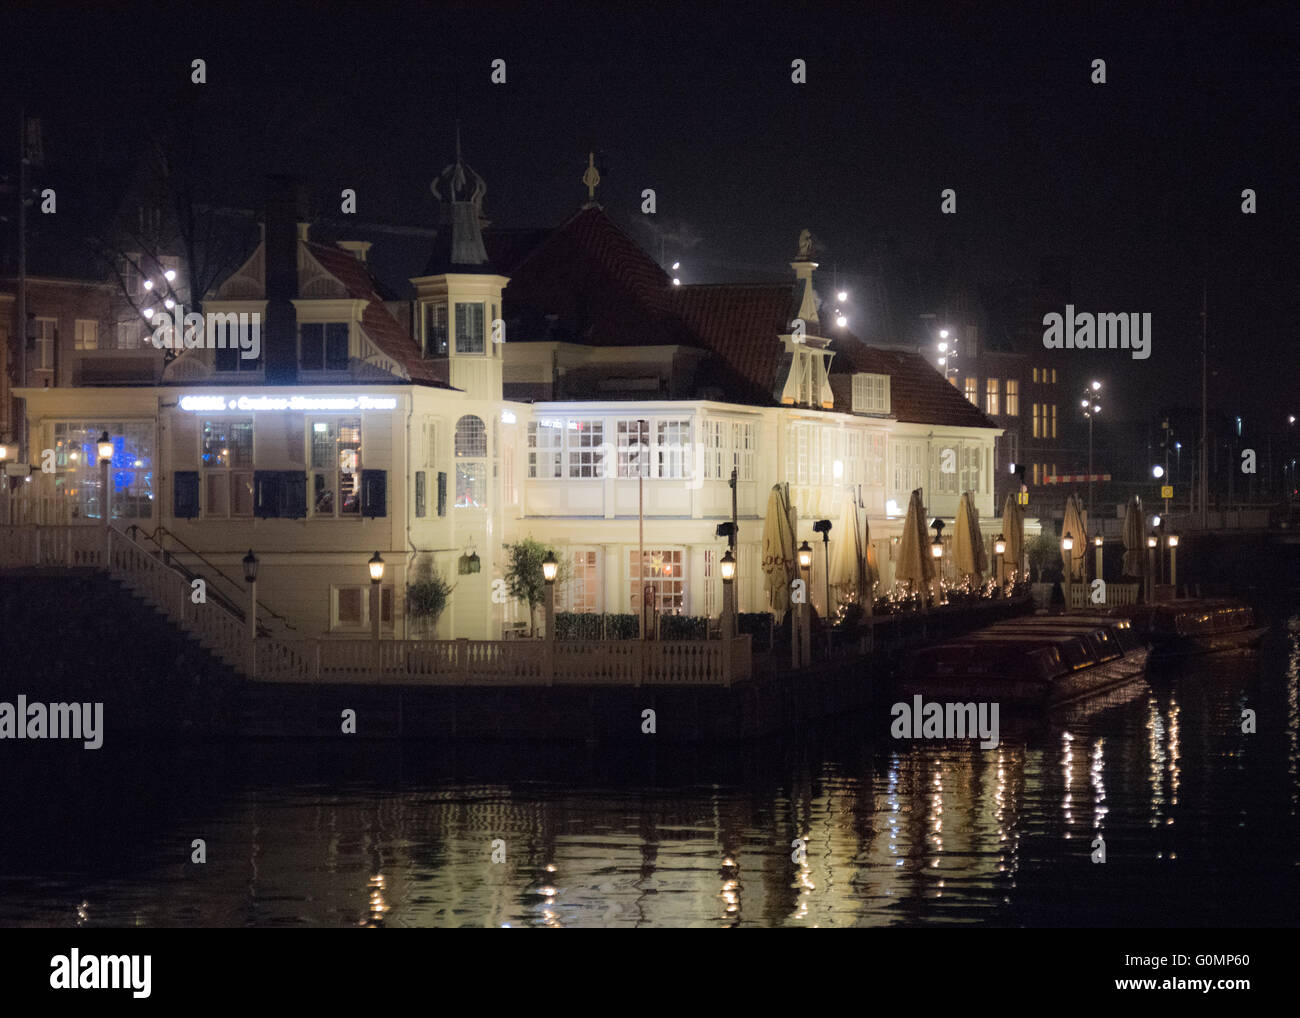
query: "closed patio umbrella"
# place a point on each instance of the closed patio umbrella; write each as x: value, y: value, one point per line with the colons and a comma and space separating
x: 1075, y: 525
x: 847, y: 566
x: 779, y: 566
x: 1013, y: 532
x: 1134, y: 539
x: 914, y: 562
x: 968, y: 542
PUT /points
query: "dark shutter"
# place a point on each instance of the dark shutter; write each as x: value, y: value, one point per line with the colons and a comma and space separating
x: 421, y: 495
x: 336, y: 346
x: 267, y: 487
x: 442, y: 493
x: 311, y: 342
x: 185, y: 494
x: 374, y: 493
x: 226, y: 359
x: 294, y: 504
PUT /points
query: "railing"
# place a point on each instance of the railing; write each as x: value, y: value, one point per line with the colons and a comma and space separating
x: 410, y: 662
x: 1118, y: 595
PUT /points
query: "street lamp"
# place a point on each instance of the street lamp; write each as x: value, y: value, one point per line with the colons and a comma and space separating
x: 1091, y: 408
x: 1097, y: 543
x: 1152, y: 543
x: 550, y: 570
x: 105, y: 449
x: 1000, y: 549
x: 376, y: 566
x: 1157, y: 471
x: 250, y: 577
x: 728, y: 569
x: 823, y: 527
x: 805, y: 572
x: 1172, y: 540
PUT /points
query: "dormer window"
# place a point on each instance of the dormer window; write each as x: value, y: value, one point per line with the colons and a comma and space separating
x: 469, y: 328
x: 870, y: 393
x: 323, y: 346
x: 435, y: 330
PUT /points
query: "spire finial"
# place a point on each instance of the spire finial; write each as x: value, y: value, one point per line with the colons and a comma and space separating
x: 591, y: 178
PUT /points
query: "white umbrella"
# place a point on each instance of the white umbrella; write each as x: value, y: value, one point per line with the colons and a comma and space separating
x: 779, y: 563
x: 968, y: 544
x: 1075, y: 525
x: 847, y: 565
x: 1134, y: 539
x: 1013, y: 532
x: 914, y: 561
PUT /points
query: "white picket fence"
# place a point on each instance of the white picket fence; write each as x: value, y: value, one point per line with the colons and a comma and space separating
x: 350, y: 660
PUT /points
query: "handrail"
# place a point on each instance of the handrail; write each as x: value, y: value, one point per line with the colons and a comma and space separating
x: 263, y: 608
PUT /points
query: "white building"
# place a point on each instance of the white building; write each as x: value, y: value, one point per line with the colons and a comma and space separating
x: 539, y: 374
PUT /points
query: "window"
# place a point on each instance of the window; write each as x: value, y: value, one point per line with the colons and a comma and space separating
x: 811, y: 455
x: 661, y: 570
x: 435, y: 330
x: 711, y: 599
x: 471, y: 485
x: 545, y: 442
x: 715, y: 449
x: 673, y: 448
x: 47, y: 334
x: 323, y: 346
x: 279, y: 494
x: 336, y: 467
x: 585, y: 445
x: 351, y: 607
x: 77, y: 473
x: 226, y: 453
x: 469, y: 328
x: 471, y: 436
x: 1035, y: 472
x: 875, y: 459
x: 972, y: 468
x: 1035, y: 418
x: 633, y: 448
x: 87, y: 334
x: 971, y: 392
x: 1013, y: 397
x: 231, y: 358
x: 421, y: 494
x: 1053, y: 422
x: 582, y: 592
x: 509, y: 491
x: 1035, y: 376
x: 742, y: 450
x: 1053, y: 376
x: 991, y: 396
x: 870, y: 394
x: 728, y: 445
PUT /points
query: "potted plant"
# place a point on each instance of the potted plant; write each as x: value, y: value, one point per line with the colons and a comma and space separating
x: 426, y: 599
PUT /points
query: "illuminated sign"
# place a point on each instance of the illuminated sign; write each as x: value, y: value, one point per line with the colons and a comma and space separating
x: 210, y: 404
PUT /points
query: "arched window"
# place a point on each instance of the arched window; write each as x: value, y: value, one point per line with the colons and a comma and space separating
x: 471, y: 436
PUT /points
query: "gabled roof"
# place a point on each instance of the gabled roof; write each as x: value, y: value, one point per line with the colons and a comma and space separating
x: 918, y: 394
x: 586, y: 282
x: 382, y: 328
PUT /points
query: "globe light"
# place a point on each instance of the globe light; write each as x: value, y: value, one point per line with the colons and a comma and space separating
x: 943, y: 347
x: 841, y: 321
x: 148, y: 312
x: 169, y: 275
x: 1084, y: 404
x: 148, y: 284
x: 943, y: 333
x: 676, y: 266
x: 1157, y: 471
x: 943, y: 361
x: 676, y: 281
x: 842, y: 296
x: 1096, y: 386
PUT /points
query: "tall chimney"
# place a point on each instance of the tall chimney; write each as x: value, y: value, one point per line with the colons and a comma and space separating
x: 285, y: 208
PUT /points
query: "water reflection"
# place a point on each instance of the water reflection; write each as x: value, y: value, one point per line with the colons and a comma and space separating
x: 891, y: 832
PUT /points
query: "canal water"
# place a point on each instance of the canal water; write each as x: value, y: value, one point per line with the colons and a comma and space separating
x: 841, y: 827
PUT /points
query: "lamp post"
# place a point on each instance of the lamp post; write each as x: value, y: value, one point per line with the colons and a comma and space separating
x: 728, y: 566
x: 1173, y: 562
x: 1152, y: 542
x: 105, y: 449
x: 550, y: 569
x: 805, y: 609
x: 376, y: 566
x: 250, y: 577
x: 936, y: 552
x: 1091, y: 408
x: 1096, y: 543
x: 823, y: 527
x: 1067, y: 546
x: 1000, y: 549
x: 6, y: 512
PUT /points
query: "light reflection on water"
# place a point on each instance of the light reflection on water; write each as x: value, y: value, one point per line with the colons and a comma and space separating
x: 1199, y: 822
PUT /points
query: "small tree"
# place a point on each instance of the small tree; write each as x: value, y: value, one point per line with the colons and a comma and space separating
x: 427, y: 596
x: 524, y: 578
x: 1042, y: 550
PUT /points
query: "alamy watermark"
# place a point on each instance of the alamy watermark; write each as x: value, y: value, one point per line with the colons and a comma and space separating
x: 25, y: 720
x: 920, y: 720
x: 216, y: 330
x: 1086, y: 331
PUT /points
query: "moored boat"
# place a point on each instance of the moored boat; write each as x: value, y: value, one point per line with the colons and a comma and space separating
x: 1043, y: 661
x: 1196, y: 625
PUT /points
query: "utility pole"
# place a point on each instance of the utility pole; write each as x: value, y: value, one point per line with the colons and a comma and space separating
x: 20, y: 361
x: 1205, y: 487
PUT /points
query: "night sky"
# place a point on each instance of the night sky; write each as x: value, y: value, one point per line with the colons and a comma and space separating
x: 1135, y: 183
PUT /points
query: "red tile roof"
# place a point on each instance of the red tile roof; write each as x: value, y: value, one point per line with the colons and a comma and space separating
x: 382, y: 328
x: 593, y: 282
